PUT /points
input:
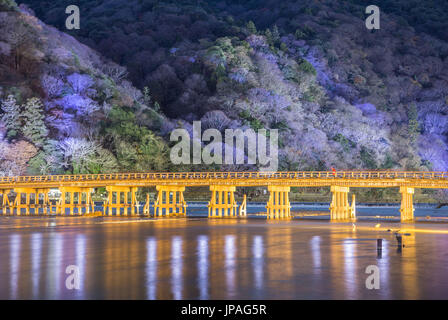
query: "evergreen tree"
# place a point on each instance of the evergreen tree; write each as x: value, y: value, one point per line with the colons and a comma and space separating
x: 275, y: 34
x: 157, y: 107
x: 48, y: 160
x: 34, y: 127
x: 11, y: 116
x: 251, y: 27
x: 146, y: 96
x: 269, y: 38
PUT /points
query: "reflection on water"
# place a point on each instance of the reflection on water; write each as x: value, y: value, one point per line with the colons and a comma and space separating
x: 384, y: 265
x: 350, y: 267
x: 176, y: 268
x: 54, y: 263
x: 230, y: 264
x: 80, y: 261
x: 410, y: 268
x: 151, y: 267
x: 211, y: 259
x: 315, y: 251
x: 15, y: 243
x: 257, y: 261
x: 36, y: 253
x: 203, y: 266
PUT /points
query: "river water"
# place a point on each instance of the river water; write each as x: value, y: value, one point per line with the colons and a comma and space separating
x: 200, y: 258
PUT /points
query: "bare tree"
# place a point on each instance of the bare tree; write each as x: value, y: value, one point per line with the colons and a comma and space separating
x: 77, y: 153
x: 114, y: 71
x: 215, y: 119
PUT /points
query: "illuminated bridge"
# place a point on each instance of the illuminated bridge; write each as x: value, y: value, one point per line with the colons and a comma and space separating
x: 19, y: 195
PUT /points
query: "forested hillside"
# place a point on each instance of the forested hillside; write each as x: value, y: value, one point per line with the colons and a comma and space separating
x: 341, y: 96
x: 66, y: 109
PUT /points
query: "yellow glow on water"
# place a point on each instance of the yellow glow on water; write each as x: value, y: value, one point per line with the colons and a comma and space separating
x: 401, y: 230
x: 442, y: 231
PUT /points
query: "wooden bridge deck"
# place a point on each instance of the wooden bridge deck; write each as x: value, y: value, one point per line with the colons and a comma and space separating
x: 372, y: 179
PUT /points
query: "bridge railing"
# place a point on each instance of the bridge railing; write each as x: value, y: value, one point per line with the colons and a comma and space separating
x: 229, y: 175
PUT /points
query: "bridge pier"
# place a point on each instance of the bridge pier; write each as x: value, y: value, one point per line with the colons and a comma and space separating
x: 17, y: 202
x: 119, y: 204
x: 5, y: 201
x: 242, y: 212
x: 170, y: 198
x: 72, y: 205
x: 278, y: 206
x: 340, y: 209
x: 18, y: 205
x: 222, y: 203
x: 146, y: 207
x: 353, y: 208
x: 45, y: 205
x: 407, y: 207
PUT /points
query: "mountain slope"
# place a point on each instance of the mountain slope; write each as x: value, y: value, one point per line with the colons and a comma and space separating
x: 65, y: 108
x: 341, y: 95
